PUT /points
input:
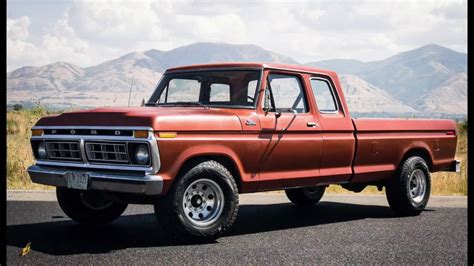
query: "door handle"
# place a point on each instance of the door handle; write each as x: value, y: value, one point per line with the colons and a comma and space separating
x: 312, y: 124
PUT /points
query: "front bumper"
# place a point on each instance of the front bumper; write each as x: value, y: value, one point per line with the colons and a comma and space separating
x: 106, y: 181
x: 455, y: 166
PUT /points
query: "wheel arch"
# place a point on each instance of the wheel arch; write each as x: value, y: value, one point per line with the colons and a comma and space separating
x: 221, y: 158
x: 421, y: 152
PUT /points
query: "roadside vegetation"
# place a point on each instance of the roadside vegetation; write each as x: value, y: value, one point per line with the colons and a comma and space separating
x: 19, y: 157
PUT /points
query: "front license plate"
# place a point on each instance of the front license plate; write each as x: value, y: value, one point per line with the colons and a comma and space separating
x: 77, y: 180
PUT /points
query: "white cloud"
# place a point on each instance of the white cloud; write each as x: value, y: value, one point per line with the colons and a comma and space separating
x: 93, y: 31
x: 19, y: 50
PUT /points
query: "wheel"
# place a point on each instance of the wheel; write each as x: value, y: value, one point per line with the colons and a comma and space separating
x: 305, y: 196
x: 201, y: 205
x: 409, y: 191
x: 88, y: 207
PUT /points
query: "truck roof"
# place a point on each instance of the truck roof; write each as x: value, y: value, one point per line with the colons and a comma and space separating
x: 297, y: 68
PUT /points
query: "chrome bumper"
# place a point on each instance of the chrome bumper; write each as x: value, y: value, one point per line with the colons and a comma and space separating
x: 455, y: 166
x: 115, y: 182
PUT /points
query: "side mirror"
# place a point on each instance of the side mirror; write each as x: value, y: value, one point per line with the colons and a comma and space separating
x: 277, y: 113
x: 143, y: 102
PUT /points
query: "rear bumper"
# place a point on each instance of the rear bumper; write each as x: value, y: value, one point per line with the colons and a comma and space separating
x: 455, y: 166
x: 106, y: 181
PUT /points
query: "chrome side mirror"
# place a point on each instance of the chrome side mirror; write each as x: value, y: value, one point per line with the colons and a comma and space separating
x: 277, y: 113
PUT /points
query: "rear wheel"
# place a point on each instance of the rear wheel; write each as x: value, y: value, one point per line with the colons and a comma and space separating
x: 89, y: 207
x: 305, y: 196
x: 201, y: 205
x: 409, y: 191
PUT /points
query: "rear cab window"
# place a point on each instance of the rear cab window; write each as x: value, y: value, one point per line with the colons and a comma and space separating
x: 324, y: 95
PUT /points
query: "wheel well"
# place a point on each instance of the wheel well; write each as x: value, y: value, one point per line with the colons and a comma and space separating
x: 421, y: 152
x: 227, y: 162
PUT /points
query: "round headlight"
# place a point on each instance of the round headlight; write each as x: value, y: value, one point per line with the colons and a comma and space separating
x: 141, y: 154
x: 42, y: 151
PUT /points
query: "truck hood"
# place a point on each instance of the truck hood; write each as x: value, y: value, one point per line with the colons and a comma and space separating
x: 158, y: 118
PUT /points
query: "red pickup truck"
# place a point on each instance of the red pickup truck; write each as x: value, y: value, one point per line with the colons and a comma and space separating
x: 210, y: 132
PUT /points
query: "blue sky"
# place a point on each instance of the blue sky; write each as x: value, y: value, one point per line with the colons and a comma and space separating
x: 86, y: 32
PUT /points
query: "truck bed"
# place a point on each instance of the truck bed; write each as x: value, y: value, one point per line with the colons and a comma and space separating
x: 381, y: 144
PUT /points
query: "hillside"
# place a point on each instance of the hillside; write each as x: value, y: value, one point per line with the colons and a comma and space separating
x: 362, y: 96
x: 409, y: 76
x: 416, y: 80
x: 450, y: 97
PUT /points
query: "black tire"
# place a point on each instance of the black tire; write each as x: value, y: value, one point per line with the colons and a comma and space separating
x: 170, y: 210
x: 88, y: 207
x: 399, y: 190
x: 305, y: 196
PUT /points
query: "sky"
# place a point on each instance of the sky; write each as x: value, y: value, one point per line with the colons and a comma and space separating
x: 88, y: 32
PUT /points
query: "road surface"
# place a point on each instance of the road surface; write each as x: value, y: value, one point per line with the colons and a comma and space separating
x: 341, y: 229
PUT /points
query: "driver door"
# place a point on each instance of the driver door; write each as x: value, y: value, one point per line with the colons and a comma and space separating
x: 290, y: 134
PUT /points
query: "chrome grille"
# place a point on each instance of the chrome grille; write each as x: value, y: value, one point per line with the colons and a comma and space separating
x: 63, y: 150
x: 107, y: 152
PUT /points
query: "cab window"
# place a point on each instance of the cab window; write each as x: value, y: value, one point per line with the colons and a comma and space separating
x: 286, y: 93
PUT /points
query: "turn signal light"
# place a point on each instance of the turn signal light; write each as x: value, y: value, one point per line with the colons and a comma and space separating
x: 451, y: 132
x: 140, y: 134
x: 37, y: 132
x: 167, y: 135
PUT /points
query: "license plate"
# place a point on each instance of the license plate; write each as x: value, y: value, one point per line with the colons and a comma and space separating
x: 77, y: 180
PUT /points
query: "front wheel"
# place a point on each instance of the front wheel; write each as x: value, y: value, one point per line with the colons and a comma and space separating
x: 409, y: 191
x: 201, y: 205
x: 305, y: 196
x: 88, y: 207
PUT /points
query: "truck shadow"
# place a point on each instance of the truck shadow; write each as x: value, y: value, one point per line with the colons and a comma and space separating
x: 142, y: 230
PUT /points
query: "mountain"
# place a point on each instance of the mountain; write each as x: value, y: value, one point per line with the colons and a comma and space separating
x: 363, y: 97
x: 419, y: 80
x: 200, y: 53
x: 449, y: 98
x: 108, y: 83
x: 407, y: 76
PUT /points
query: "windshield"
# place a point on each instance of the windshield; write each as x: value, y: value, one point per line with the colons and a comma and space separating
x: 224, y: 88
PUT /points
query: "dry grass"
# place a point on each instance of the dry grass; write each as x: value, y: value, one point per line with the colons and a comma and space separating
x: 19, y: 157
x: 447, y: 183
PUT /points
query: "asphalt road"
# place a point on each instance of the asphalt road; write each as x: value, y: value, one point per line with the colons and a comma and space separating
x: 341, y: 229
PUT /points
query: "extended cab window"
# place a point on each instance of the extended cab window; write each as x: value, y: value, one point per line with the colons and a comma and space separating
x: 324, y: 95
x: 287, y: 93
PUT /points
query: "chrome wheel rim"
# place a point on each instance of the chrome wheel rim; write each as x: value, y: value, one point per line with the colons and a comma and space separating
x: 203, y: 202
x: 417, y: 186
